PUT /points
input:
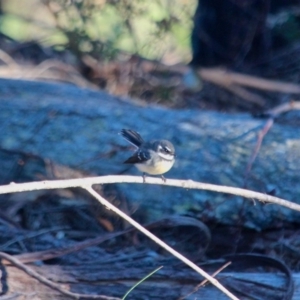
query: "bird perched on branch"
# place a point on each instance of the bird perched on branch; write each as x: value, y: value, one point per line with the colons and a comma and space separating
x: 155, y: 157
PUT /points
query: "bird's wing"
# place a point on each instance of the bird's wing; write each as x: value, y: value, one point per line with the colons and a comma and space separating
x: 138, y: 157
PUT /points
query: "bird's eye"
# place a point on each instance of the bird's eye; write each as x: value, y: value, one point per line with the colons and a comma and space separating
x: 167, y: 150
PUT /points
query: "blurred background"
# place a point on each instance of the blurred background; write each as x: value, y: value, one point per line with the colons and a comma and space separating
x: 157, y: 30
x: 141, y: 49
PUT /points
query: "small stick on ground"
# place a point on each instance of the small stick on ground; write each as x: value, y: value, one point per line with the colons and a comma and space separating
x: 49, y: 283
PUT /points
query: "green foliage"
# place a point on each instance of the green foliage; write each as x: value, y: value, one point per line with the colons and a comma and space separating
x: 152, y: 29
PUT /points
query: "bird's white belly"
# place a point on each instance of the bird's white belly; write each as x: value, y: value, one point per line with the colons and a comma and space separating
x: 161, y: 168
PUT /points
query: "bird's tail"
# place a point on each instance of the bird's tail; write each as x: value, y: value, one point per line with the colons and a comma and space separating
x: 132, y: 137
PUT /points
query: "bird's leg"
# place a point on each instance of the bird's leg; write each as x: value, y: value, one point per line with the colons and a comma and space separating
x: 144, y: 177
x: 163, y: 178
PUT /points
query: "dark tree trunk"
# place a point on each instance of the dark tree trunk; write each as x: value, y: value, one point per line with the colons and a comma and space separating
x: 233, y: 32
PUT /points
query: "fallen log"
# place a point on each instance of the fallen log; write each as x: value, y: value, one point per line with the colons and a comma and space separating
x: 72, y: 127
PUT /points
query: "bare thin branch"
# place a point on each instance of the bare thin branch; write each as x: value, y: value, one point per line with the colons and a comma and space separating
x: 283, y: 108
x: 186, y: 184
x: 225, y: 77
x: 205, y: 281
x: 159, y: 242
x: 261, y: 134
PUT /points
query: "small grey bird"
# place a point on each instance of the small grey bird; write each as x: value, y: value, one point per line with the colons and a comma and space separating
x: 155, y: 157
